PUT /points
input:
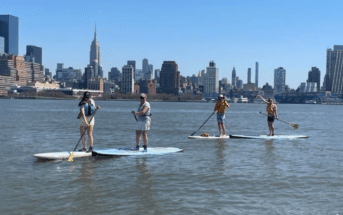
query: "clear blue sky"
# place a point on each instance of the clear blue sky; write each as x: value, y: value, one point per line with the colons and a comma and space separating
x: 291, y: 34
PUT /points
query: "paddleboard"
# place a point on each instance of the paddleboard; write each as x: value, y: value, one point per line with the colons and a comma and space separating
x: 268, y: 137
x: 61, y: 155
x: 133, y: 152
x: 209, y: 137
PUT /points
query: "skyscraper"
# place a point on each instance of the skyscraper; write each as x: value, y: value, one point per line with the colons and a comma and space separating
x: 2, y: 45
x: 170, y: 77
x: 256, y: 74
x: 212, y: 79
x: 249, y: 75
x: 314, y: 76
x: 94, y: 58
x: 114, y: 75
x: 127, y: 85
x: 279, y: 80
x: 145, y: 66
x: 9, y: 29
x: 34, y: 52
x: 333, y: 79
x: 133, y: 64
x: 233, y: 80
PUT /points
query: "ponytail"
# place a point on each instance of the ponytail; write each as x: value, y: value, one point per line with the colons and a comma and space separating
x: 82, y: 102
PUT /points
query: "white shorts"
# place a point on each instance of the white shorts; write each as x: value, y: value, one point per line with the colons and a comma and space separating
x: 143, y: 125
x: 83, y: 123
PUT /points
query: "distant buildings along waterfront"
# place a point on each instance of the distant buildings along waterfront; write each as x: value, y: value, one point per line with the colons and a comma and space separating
x: 314, y: 77
x: 256, y: 74
x: 212, y: 79
x: 333, y: 79
x: 33, y: 54
x: 2, y: 45
x: 249, y: 76
x: 233, y: 79
x: 9, y: 29
x: 169, y: 77
x: 127, y: 85
x: 95, y: 56
x: 279, y: 80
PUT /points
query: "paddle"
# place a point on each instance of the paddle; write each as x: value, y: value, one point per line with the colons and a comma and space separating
x: 295, y: 126
x: 72, y: 154
x: 202, y: 124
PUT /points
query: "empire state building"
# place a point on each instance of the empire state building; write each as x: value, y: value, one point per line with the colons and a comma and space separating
x: 94, y: 59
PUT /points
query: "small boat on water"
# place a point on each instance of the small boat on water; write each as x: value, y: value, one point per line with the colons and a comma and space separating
x: 243, y: 100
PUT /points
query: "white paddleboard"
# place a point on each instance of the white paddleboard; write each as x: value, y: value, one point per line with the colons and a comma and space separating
x: 268, y: 137
x: 132, y: 151
x: 209, y: 137
x: 61, y: 155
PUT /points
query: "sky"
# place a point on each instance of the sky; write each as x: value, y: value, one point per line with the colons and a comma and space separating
x: 233, y: 33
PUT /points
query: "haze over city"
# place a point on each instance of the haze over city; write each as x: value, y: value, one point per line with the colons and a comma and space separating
x: 293, y: 35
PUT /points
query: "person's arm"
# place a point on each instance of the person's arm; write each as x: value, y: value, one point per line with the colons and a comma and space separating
x: 275, y: 113
x: 265, y: 101
x: 84, y: 116
x: 215, y: 107
x: 96, y: 107
x: 142, y: 112
x: 227, y: 105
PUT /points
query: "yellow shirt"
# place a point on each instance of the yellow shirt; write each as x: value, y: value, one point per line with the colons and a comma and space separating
x: 220, y: 106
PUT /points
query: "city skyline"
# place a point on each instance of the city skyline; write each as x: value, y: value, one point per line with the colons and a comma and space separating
x: 251, y: 32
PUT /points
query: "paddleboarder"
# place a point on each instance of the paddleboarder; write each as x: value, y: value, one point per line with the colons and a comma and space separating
x: 143, y: 121
x: 87, y: 108
x: 271, y: 112
x: 220, y: 107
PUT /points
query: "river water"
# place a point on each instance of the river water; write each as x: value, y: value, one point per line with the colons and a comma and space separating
x: 234, y: 176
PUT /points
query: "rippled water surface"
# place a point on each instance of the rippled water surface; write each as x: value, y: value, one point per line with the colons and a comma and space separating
x: 233, y: 176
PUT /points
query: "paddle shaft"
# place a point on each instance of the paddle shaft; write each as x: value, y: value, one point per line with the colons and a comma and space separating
x: 85, y: 130
x: 202, y: 124
x: 277, y: 119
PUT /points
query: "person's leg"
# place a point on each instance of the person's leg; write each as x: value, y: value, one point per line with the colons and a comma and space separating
x: 83, y: 137
x: 270, y: 124
x: 90, y: 136
x: 219, y: 128
x: 145, y: 137
x: 138, y: 137
x: 223, y: 129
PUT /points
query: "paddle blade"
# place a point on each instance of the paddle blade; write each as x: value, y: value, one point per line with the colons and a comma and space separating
x: 70, y: 159
x: 295, y: 126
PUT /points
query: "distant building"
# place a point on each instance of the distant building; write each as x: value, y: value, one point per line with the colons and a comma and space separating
x: 95, y: 56
x: 127, y: 85
x: 33, y: 54
x: 333, y: 79
x: 169, y: 78
x: 212, y: 79
x: 308, y: 87
x: 145, y: 67
x: 157, y: 74
x: 314, y: 76
x: 9, y: 29
x: 233, y: 80
x: 143, y: 86
x: 239, y: 84
x: 67, y: 74
x: 249, y: 76
x: 249, y: 87
x: 152, y: 87
x: 279, y: 80
x: 256, y: 74
x: 2, y: 45
x: 114, y: 75
x: 268, y: 91
x: 133, y: 64
x: 139, y: 74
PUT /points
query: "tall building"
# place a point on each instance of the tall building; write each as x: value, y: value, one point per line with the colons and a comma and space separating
x: 9, y: 29
x: 212, y: 79
x: 256, y: 74
x: 2, y: 45
x: 127, y: 85
x: 89, y: 75
x: 157, y: 74
x: 150, y: 73
x: 145, y: 66
x: 33, y: 54
x: 114, y: 75
x: 95, y: 57
x: 249, y: 75
x: 279, y: 80
x: 169, y: 77
x: 233, y: 80
x: 333, y: 79
x: 314, y: 76
x: 133, y: 64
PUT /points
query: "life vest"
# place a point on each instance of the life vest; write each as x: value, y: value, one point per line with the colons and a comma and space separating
x: 89, y: 109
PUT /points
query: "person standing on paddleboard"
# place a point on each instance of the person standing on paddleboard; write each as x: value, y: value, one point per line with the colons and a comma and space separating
x: 87, y: 108
x: 272, y: 113
x: 143, y: 122
x: 220, y: 107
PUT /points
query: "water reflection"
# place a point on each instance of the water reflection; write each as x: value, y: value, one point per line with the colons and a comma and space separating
x: 220, y: 150
x: 144, y: 188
